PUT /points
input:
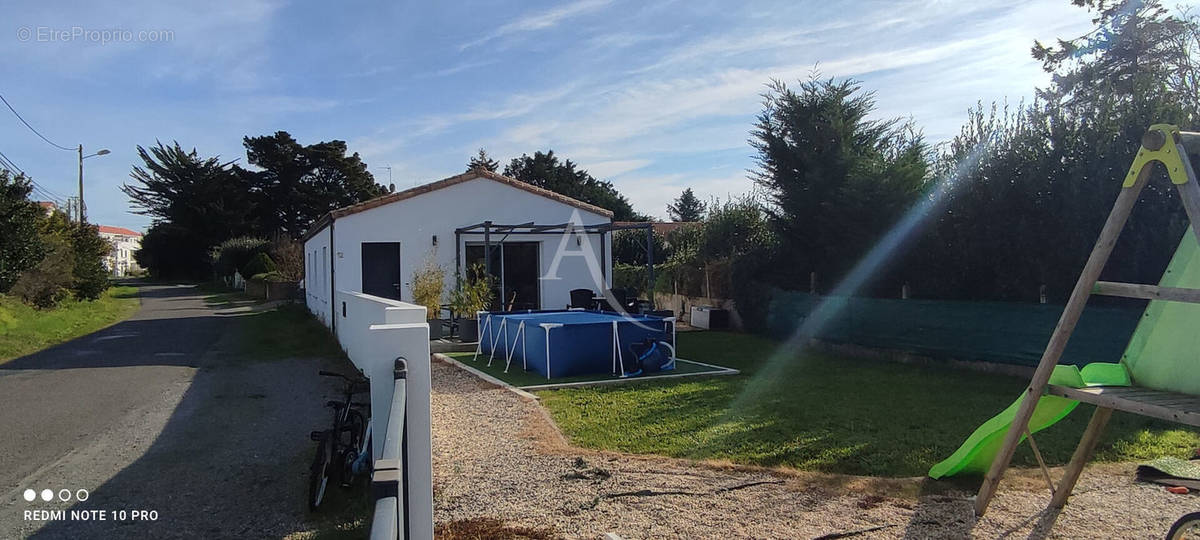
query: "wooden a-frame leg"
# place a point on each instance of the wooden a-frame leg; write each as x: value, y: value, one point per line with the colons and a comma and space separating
x: 1083, y: 454
x: 1062, y: 333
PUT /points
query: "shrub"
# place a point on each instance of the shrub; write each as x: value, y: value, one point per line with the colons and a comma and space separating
x: 288, y: 255
x: 273, y: 276
x: 474, y: 292
x: 20, y: 245
x: 750, y: 275
x: 88, y: 250
x: 46, y: 284
x: 233, y: 254
x: 427, y: 285
x: 630, y: 277
x: 629, y: 247
x: 260, y: 263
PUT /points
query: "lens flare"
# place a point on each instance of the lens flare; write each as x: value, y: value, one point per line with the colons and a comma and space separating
x: 831, y: 305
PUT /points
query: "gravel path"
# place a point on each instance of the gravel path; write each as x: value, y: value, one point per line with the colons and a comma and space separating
x: 498, y: 455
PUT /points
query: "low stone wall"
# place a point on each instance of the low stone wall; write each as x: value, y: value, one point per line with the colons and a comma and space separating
x: 256, y: 289
x: 271, y: 290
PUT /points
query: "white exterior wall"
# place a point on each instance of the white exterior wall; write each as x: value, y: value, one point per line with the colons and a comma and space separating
x: 318, y: 290
x: 413, y: 223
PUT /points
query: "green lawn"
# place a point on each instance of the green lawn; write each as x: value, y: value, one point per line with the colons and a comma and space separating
x: 826, y: 413
x: 518, y: 377
x: 25, y: 330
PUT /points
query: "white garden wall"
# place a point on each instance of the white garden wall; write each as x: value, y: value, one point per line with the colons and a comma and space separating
x: 374, y: 332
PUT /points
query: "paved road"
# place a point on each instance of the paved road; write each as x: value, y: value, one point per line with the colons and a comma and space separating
x: 160, y: 414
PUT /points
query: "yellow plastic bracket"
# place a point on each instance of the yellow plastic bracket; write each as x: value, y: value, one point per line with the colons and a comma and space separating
x: 1166, y: 138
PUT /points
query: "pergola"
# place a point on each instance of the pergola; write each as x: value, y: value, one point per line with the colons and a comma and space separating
x: 490, y: 229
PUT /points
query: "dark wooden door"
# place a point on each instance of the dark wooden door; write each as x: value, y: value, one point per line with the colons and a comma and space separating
x: 381, y: 269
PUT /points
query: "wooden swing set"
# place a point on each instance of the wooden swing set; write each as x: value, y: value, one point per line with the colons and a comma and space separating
x: 1167, y: 145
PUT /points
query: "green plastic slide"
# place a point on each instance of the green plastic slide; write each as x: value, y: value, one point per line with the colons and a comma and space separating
x: 1161, y: 356
x: 976, y: 454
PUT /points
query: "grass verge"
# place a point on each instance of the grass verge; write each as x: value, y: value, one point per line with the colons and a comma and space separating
x: 826, y: 413
x: 288, y: 331
x: 344, y: 515
x: 26, y: 330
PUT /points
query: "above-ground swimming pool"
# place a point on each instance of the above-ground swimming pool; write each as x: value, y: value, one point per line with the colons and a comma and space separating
x: 571, y: 343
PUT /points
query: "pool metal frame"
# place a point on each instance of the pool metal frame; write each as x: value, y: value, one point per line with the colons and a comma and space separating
x: 618, y: 357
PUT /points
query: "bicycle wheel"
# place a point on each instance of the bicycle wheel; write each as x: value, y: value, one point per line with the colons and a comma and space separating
x: 1186, y: 528
x: 355, y: 429
x: 318, y: 478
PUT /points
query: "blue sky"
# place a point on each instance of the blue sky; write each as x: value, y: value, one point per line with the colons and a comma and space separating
x: 655, y: 96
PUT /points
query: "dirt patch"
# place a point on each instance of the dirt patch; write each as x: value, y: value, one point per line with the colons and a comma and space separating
x: 490, y: 529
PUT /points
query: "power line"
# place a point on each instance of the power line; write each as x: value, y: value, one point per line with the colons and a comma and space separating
x: 8, y: 163
x: 35, y: 132
x: 45, y: 191
x: 39, y: 190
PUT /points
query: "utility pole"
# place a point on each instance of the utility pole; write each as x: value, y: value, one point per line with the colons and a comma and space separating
x: 70, y: 208
x: 82, y: 218
x: 82, y: 206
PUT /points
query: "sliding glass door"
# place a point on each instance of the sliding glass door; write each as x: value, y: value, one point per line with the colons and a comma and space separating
x: 515, y: 271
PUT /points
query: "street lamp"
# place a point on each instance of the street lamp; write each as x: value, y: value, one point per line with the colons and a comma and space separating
x: 83, y: 207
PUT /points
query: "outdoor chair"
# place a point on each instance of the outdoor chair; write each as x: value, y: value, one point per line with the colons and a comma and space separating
x: 582, y: 299
x: 622, y: 300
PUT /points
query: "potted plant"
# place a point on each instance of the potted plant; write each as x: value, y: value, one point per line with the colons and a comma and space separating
x: 473, y: 294
x: 427, y: 285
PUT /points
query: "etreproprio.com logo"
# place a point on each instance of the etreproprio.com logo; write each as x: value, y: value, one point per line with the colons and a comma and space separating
x: 79, y: 495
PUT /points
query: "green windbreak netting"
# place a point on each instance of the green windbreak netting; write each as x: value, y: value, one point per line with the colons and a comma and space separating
x: 1004, y: 332
x: 1164, y: 352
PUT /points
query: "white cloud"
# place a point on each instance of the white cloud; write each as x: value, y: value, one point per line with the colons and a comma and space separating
x: 651, y: 194
x: 539, y: 21
x: 467, y: 66
x: 608, y: 169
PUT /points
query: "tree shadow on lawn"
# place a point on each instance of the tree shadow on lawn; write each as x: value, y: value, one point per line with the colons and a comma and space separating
x: 837, y: 415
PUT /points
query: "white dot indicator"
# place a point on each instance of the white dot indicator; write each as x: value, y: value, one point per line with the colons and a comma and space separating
x: 82, y: 495
x: 47, y: 495
x: 64, y: 495
x: 30, y: 495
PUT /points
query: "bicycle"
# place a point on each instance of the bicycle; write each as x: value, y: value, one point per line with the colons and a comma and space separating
x: 1187, y: 526
x: 343, y: 452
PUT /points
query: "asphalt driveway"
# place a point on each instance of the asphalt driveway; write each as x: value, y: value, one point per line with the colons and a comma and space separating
x: 162, y: 421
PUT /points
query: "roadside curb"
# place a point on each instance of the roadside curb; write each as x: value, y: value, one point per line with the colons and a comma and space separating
x: 488, y: 378
x: 717, y: 371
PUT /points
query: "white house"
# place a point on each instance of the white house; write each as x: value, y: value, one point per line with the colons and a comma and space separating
x: 119, y: 261
x: 543, y: 244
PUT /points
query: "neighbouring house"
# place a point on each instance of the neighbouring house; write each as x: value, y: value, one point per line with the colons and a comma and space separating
x: 542, y: 244
x: 47, y: 207
x: 125, y: 242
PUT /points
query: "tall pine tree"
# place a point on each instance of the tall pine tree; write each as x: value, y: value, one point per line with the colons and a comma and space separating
x: 688, y: 207
x: 482, y: 160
